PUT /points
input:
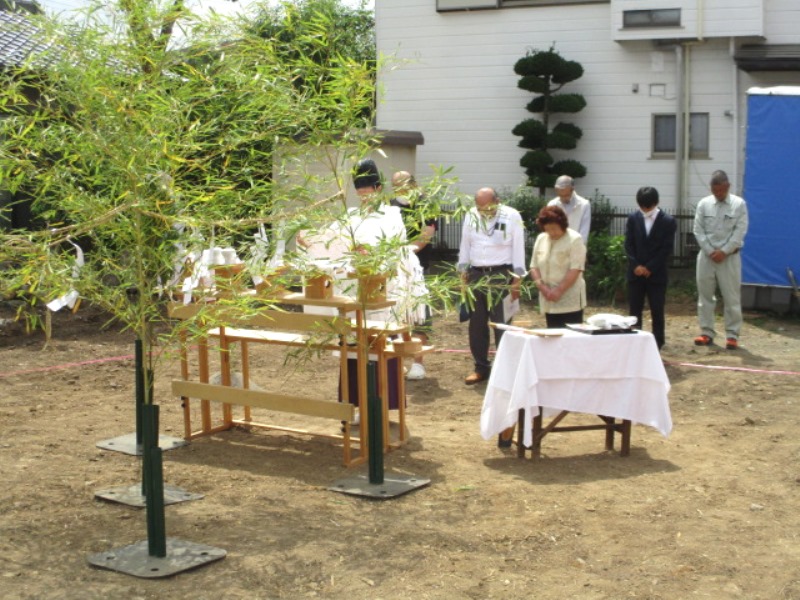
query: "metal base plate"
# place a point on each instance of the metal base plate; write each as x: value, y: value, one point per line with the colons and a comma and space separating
x: 135, y: 559
x: 132, y: 495
x: 393, y: 485
x: 127, y: 444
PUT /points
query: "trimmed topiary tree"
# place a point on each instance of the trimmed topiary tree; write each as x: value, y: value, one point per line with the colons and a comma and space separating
x: 545, y: 72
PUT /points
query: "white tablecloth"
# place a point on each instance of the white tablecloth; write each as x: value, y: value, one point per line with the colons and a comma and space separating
x: 619, y: 376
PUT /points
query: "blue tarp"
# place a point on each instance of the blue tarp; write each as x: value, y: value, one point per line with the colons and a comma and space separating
x: 772, y: 161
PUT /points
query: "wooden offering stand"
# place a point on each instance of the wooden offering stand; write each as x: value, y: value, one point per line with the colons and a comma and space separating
x: 270, y: 326
x: 319, y: 287
x: 371, y: 288
x: 229, y: 278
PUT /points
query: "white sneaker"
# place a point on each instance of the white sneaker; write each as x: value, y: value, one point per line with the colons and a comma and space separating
x: 416, y: 372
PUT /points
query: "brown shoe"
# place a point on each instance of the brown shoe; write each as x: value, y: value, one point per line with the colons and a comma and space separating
x: 731, y: 344
x: 474, y: 378
x: 505, y: 438
x: 703, y: 340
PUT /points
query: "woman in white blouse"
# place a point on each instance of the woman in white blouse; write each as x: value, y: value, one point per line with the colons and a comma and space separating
x: 557, y: 265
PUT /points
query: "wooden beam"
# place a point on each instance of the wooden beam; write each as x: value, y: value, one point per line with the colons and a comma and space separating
x: 233, y: 317
x: 268, y: 400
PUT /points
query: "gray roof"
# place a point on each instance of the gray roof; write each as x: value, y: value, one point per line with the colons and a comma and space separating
x: 768, y: 57
x: 22, y: 42
x: 21, y: 5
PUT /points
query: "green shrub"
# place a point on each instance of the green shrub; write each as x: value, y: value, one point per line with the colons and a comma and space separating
x: 528, y: 202
x: 602, y: 213
x: 605, y: 267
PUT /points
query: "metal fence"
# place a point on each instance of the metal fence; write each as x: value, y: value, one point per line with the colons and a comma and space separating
x: 448, y: 238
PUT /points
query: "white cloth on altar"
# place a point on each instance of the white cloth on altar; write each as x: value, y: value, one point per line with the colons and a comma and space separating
x: 619, y: 376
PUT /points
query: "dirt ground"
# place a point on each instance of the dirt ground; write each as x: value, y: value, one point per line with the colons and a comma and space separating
x: 710, y: 512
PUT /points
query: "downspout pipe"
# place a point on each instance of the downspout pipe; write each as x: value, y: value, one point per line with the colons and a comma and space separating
x: 701, y: 15
x: 687, y: 119
x: 738, y: 150
x: 679, y: 118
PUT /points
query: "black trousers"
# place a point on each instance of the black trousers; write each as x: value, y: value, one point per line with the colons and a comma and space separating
x: 656, y: 295
x: 489, y: 287
x: 560, y: 320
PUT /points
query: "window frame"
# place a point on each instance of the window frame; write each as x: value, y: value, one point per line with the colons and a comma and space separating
x: 516, y: 3
x: 698, y: 149
x: 652, y: 22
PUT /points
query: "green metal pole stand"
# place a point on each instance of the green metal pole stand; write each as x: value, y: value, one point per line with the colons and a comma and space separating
x: 377, y: 484
x: 157, y: 556
x: 374, y: 426
x: 131, y: 443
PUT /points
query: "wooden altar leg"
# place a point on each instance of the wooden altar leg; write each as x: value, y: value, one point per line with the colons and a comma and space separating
x: 401, y: 395
x: 536, y: 447
x: 225, y: 374
x: 248, y: 416
x: 626, y: 438
x: 344, y: 393
x: 378, y: 345
x: 610, y: 429
x: 361, y: 362
x: 205, y: 405
x: 521, y: 425
x: 185, y: 402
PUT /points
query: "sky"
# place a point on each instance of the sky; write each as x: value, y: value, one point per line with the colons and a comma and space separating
x: 224, y: 7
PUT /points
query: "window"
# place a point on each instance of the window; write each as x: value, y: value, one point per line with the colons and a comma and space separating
x: 445, y: 5
x: 512, y: 3
x: 664, y: 138
x: 453, y: 5
x: 664, y: 17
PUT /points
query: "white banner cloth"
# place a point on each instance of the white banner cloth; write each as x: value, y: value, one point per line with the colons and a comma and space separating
x: 71, y: 297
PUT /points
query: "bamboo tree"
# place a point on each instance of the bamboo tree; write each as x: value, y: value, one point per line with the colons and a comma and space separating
x: 131, y: 149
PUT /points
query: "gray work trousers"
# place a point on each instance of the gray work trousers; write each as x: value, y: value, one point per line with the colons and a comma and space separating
x: 728, y: 276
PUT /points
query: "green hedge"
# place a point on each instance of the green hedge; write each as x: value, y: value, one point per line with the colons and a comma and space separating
x: 605, y: 267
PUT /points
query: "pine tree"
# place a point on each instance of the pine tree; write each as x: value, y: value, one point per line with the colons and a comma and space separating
x: 545, y: 73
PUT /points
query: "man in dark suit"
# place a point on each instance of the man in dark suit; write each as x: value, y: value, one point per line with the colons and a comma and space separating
x: 649, y: 241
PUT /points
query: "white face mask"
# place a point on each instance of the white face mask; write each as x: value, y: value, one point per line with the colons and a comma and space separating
x: 647, y: 213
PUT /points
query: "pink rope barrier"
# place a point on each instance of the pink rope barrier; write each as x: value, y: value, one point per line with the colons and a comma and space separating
x: 108, y: 359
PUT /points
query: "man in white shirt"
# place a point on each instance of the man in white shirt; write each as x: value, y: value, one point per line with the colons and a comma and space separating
x: 578, y: 208
x: 491, y: 260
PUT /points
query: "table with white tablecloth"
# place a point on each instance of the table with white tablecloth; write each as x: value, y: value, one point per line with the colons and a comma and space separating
x: 617, y: 376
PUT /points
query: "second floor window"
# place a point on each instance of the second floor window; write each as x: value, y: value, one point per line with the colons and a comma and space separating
x: 663, y: 17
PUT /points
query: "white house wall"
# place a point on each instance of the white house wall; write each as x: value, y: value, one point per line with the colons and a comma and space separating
x: 453, y: 81
x: 699, y: 19
x: 783, y: 21
x: 725, y: 18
